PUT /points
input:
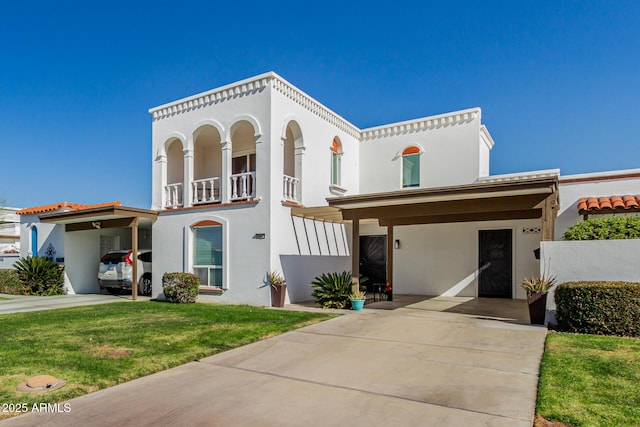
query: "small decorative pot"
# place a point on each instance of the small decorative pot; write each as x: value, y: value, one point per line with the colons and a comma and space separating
x: 357, y: 304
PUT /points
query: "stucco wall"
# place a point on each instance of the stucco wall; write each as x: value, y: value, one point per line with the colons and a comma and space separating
x: 300, y: 270
x: 245, y: 257
x: 7, y: 260
x: 442, y: 259
x: 589, y: 260
x: 451, y: 156
x: 47, y: 234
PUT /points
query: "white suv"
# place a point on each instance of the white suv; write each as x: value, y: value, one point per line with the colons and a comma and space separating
x: 116, y: 271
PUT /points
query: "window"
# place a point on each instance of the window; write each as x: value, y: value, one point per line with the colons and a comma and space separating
x: 411, y: 167
x: 336, y: 159
x: 207, y: 253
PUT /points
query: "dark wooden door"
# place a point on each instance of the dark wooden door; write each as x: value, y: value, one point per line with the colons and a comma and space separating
x: 373, y: 259
x: 495, y: 263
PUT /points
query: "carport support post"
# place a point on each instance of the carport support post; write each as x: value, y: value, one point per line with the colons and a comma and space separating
x: 355, y: 254
x: 134, y: 256
x: 390, y: 243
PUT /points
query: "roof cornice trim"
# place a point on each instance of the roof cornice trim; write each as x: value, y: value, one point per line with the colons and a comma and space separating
x: 252, y: 86
x: 310, y: 104
x: 242, y: 88
x: 421, y: 124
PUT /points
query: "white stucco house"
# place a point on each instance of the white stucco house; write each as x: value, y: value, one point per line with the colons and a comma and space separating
x: 258, y: 176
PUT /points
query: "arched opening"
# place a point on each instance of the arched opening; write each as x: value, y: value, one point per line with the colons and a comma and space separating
x: 175, y: 173
x: 243, y: 161
x: 207, y: 165
x: 336, y: 161
x: 411, y: 167
x: 293, y: 148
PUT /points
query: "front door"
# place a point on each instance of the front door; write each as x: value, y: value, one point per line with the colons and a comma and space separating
x: 373, y: 259
x: 495, y: 263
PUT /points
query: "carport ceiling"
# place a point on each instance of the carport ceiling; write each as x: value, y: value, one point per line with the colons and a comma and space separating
x: 103, y: 217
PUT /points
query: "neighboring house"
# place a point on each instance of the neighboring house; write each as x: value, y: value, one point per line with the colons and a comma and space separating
x: 9, y: 236
x: 257, y: 176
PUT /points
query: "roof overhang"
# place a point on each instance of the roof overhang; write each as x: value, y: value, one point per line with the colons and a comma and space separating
x: 102, y: 217
x: 480, y: 201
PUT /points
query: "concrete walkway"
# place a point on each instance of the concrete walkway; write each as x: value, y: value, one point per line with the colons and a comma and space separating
x: 412, y: 366
x: 22, y: 303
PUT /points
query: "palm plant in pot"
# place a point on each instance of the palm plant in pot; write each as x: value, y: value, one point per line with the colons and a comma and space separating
x: 537, y: 289
x: 278, y: 288
x: 357, y: 300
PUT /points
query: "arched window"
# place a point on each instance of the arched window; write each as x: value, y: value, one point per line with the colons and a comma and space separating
x: 34, y: 241
x: 207, y: 253
x: 411, y: 167
x: 336, y: 160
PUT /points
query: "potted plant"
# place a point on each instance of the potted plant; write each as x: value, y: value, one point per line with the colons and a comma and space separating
x: 278, y: 288
x: 537, y: 289
x: 357, y: 300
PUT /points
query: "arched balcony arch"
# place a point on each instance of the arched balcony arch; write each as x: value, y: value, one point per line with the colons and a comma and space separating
x: 173, y: 188
x: 293, y: 149
x: 207, y: 165
x: 243, y: 136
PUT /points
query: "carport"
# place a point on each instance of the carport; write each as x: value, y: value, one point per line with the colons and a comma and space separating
x: 507, y: 198
x: 96, y: 220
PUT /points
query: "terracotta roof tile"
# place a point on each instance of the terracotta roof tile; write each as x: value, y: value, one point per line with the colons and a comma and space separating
x: 626, y: 202
x: 64, y: 205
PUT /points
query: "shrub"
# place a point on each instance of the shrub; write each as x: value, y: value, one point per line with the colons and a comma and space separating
x: 40, y: 276
x: 601, y: 308
x: 180, y: 287
x: 332, y: 290
x: 10, y: 283
x: 605, y: 228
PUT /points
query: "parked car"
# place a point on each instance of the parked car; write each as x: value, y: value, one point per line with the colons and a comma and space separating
x: 116, y: 271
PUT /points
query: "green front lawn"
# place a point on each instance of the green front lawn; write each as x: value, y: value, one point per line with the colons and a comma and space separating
x: 590, y: 380
x: 99, y: 346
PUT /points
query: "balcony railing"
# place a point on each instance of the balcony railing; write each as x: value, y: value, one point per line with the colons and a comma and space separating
x: 290, y: 188
x: 173, y: 195
x: 243, y: 186
x: 206, y: 190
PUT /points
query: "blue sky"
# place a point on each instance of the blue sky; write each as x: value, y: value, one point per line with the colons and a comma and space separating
x: 558, y: 81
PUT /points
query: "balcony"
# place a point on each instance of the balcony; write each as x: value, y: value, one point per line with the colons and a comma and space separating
x: 290, y: 189
x: 243, y: 186
x: 206, y: 191
x: 173, y: 195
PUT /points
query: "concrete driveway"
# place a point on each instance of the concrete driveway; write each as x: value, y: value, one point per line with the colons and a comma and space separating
x: 23, y: 303
x: 412, y: 366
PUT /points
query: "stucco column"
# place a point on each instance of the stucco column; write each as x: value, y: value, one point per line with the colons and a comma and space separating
x: 162, y: 164
x: 225, y: 179
x: 187, y: 190
x: 298, y: 153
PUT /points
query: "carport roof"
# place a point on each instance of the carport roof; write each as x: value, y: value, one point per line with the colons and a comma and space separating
x: 108, y: 216
x: 479, y: 201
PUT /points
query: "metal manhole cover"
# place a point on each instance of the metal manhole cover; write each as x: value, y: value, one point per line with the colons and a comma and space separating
x: 41, y: 383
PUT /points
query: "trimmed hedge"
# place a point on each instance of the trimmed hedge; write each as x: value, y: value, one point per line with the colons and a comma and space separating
x: 605, y: 228
x: 600, y: 308
x: 10, y: 283
x: 181, y: 287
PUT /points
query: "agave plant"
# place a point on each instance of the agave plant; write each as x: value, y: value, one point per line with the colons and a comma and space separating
x: 538, y: 284
x: 332, y: 290
x: 276, y: 279
x: 40, y: 276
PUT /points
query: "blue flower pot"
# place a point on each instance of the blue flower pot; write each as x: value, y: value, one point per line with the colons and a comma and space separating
x: 357, y: 304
